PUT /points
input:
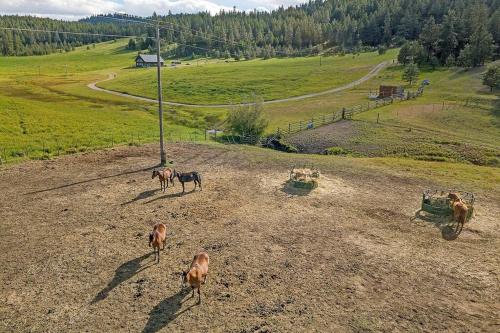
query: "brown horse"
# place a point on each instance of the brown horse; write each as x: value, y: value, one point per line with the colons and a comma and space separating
x: 460, y: 209
x: 157, y: 239
x: 164, y: 175
x: 197, y: 274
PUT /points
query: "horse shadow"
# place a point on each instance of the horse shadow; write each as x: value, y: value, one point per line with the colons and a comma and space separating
x: 169, y: 196
x: 122, y: 274
x: 450, y: 230
x: 142, y: 195
x: 166, y: 311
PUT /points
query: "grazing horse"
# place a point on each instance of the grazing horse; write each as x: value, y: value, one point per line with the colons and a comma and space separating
x: 460, y: 209
x: 157, y: 239
x: 197, y: 274
x: 189, y: 177
x: 164, y: 175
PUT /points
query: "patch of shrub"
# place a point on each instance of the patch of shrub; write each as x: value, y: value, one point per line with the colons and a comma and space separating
x: 493, y: 161
x: 335, y: 151
x: 275, y: 143
x: 71, y: 150
x: 17, y: 153
x: 431, y: 158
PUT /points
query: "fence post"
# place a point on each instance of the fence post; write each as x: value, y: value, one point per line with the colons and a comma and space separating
x: 378, y: 116
x: 300, y: 126
x: 205, y: 134
x: 324, y: 122
x: 343, y: 113
x: 215, y: 134
x: 289, y: 128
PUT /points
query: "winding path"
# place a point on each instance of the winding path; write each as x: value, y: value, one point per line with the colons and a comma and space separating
x: 374, y: 71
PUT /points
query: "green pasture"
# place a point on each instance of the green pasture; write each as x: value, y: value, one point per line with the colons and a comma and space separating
x: 233, y: 82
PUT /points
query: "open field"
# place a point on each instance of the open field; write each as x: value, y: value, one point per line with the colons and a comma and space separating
x: 46, y: 108
x: 343, y: 258
x: 234, y: 82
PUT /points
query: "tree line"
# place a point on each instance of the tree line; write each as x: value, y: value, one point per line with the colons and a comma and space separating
x: 26, y: 42
x: 439, y: 30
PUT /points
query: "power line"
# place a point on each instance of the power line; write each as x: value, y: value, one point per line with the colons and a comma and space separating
x: 97, y: 34
x: 223, y: 40
x: 72, y: 33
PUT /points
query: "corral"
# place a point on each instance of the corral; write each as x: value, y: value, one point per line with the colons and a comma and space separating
x: 345, y: 257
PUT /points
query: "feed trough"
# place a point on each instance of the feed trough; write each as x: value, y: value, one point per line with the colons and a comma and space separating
x: 437, y: 203
x: 305, y: 178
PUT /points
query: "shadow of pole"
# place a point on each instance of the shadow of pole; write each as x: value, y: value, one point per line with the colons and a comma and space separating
x: 166, y: 311
x: 90, y: 180
x: 122, y: 273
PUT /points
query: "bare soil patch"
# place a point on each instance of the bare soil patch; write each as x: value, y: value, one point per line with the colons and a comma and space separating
x: 345, y: 257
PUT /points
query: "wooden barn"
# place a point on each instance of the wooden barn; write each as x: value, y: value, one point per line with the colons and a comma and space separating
x: 147, y: 60
x: 389, y: 91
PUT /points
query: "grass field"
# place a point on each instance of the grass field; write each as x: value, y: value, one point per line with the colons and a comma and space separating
x: 234, y: 82
x: 46, y: 108
x: 455, y: 120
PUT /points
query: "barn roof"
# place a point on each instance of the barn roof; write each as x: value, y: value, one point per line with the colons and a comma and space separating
x: 151, y: 58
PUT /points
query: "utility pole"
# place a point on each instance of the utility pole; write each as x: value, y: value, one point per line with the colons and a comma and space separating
x: 163, y: 155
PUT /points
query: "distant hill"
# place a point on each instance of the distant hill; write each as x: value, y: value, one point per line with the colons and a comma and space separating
x: 336, y: 25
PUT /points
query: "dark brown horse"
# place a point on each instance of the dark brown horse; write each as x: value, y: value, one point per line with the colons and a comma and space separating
x: 187, y: 177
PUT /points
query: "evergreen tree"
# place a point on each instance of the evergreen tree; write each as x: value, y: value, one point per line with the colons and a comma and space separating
x: 491, y: 77
x: 411, y: 73
x: 481, y: 43
x: 448, y: 41
x: 429, y: 38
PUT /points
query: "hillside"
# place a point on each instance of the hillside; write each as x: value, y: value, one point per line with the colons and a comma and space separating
x: 234, y: 82
x: 309, y: 28
x: 455, y: 120
x: 47, y: 110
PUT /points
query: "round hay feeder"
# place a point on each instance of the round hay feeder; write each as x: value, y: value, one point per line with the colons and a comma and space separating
x: 437, y: 203
x: 304, y: 178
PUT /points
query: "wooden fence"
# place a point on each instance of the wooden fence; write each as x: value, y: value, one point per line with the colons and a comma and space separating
x: 344, y: 113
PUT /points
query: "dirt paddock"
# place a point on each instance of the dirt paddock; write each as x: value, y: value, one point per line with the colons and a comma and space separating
x: 344, y: 258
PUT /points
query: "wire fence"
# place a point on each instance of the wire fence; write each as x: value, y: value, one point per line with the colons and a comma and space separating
x: 46, y: 148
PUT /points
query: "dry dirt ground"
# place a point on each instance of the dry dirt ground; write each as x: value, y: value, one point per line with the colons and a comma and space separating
x: 344, y: 258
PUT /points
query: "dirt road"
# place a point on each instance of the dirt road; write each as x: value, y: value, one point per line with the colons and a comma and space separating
x: 344, y: 258
x: 374, y: 71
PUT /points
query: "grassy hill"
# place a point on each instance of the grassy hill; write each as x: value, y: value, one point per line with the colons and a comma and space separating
x: 232, y: 82
x: 456, y: 119
x: 46, y: 109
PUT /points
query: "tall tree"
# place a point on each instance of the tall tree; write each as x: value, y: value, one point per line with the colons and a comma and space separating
x: 429, y: 37
x: 491, y: 77
x: 449, y: 41
x: 411, y: 73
